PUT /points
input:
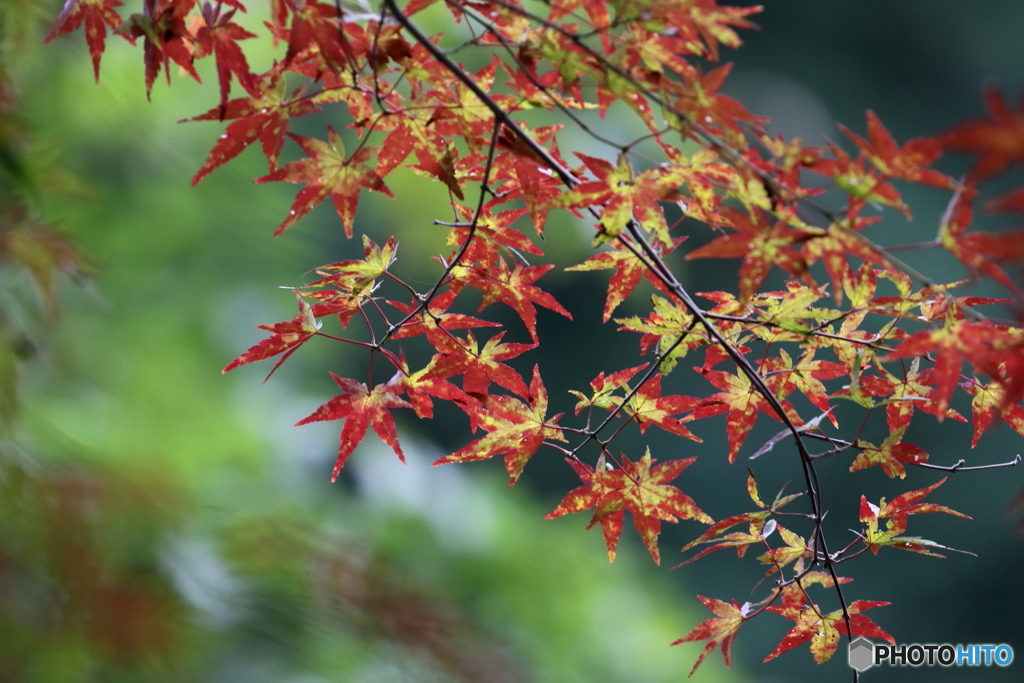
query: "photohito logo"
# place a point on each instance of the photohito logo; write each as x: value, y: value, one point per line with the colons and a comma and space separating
x: 864, y: 654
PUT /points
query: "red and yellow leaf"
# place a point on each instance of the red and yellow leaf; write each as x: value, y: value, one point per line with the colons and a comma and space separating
x: 328, y: 173
x: 359, y: 408
x: 637, y: 488
x: 285, y: 338
x: 720, y: 630
x: 513, y: 428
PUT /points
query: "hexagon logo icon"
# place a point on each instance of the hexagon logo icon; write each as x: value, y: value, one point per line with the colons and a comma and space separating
x: 862, y: 654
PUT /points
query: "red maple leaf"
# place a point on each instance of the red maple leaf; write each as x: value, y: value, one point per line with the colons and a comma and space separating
x: 327, y: 173
x: 623, y: 197
x: 806, y: 376
x: 649, y: 407
x: 637, y: 488
x: 979, y: 251
x: 998, y: 141
x: 741, y: 401
x: 515, y: 289
x: 316, y: 26
x: 513, y: 428
x: 219, y: 37
x: 478, y: 367
x: 710, y: 109
x: 721, y: 630
x: 957, y: 340
x: 906, y: 395
x: 759, y: 527
x: 628, y: 270
x: 863, y: 185
x: 167, y: 37
x: 604, y: 386
x: 891, y: 455
x: 412, y: 133
x: 286, y: 337
x: 897, y: 513
x: 359, y: 408
x: 989, y: 403
x: 760, y: 241
x: 359, y: 275
x: 419, y: 386
x: 823, y: 629
x: 263, y: 117
x: 97, y: 15
x: 491, y: 234
x: 908, y: 162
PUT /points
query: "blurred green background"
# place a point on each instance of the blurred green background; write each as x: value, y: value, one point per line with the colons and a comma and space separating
x: 161, y: 522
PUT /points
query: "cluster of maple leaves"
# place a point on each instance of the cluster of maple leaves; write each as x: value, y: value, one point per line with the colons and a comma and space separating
x: 851, y: 314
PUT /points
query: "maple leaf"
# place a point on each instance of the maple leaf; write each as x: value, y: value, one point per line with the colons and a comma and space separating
x: 315, y: 26
x: 998, y: 141
x: 623, y: 197
x: 979, y: 250
x: 1013, y: 201
x: 97, y: 15
x: 628, y: 270
x: 957, y: 340
x: 721, y: 629
x: 862, y: 184
x: 907, y: 162
x: 906, y: 394
x: 263, y: 117
x: 649, y: 407
x: 897, y: 513
x: 604, y: 387
x: 479, y: 367
x: 412, y: 134
x: 760, y: 241
x: 285, y: 338
x: 712, y: 110
x: 671, y: 327
x: 823, y: 629
x: 796, y: 548
x: 358, y: 276
x: 806, y: 376
x: 515, y: 289
x: 490, y: 234
x: 760, y: 527
x: 989, y: 402
x: 327, y: 173
x: 637, y: 488
x: 891, y: 455
x: 741, y: 401
x: 359, y: 408
x: 514, y: 429
x: 335, y: 302
x: 219, y: 37
x: 834, y: 247
x: 167, y: 37
x: 419, y: 386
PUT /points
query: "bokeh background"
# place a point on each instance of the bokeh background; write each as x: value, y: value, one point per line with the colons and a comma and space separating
x: 161, y: 522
